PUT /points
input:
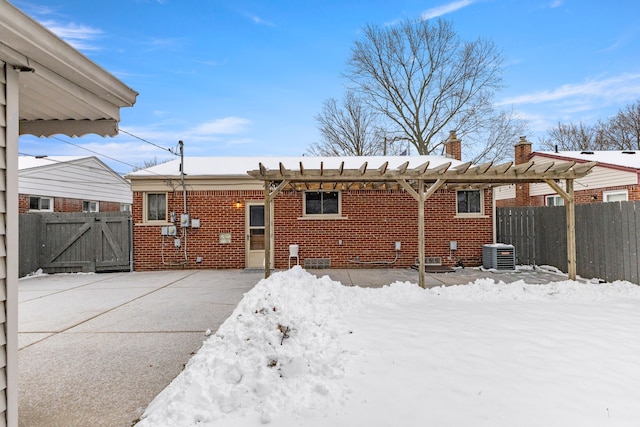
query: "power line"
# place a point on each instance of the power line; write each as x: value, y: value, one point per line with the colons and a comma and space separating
x: 94, y: 152
x: 148, y: 142
x: 134, y: 167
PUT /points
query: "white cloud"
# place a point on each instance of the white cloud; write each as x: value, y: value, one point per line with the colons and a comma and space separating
x: 78, y: 36
x: 257, y: 20
x: 435, y: 12
x: 613, y: 89
x: 224, y: 126
x: 169, y: 43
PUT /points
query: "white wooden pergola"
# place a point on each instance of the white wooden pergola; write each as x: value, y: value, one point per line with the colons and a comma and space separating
x: 422, y: 182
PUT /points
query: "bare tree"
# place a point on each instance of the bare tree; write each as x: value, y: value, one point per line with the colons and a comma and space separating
x: 347, y: 129
x: 622, y: 132
x: 574, y: 137
x: 425, y: 80
x: 497, y: 139
x: 150, y: 163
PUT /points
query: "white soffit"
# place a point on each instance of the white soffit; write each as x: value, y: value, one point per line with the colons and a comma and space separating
x: 61, y: 91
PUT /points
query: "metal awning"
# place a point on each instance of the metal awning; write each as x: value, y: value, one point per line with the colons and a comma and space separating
x: 60, y: 91
x: 421, y: 182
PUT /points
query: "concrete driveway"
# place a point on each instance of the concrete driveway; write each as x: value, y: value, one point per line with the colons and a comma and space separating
x: 95, y: 349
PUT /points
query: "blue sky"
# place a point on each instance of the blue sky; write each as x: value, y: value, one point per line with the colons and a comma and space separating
x: 238, y: 77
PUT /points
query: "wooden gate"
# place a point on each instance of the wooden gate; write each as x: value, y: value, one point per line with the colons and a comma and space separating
x: 85, y: 242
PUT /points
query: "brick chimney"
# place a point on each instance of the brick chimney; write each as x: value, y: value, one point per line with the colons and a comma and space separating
x: 522, y: 155
x: 453, y: 146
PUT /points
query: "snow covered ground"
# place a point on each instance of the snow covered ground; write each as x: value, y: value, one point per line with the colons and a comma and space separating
x: 306, y: 351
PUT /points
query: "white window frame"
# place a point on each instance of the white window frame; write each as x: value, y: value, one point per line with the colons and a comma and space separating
x: 93, y: 206
x: 125, y: 207
x: 607, y: 194
x: 40, y: 199
x: 322, y: 215
x: 556, y: 197
x: 145, y: 208
x: 471, y: 214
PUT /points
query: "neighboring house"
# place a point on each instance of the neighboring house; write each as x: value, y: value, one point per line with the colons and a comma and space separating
x: 46, y: 87
x: 615, y: 178
x: 70, y: 184
x: 338, y: 226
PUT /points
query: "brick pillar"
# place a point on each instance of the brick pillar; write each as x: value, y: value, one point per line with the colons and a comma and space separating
x: 453, y: 146
x: 522, y: 155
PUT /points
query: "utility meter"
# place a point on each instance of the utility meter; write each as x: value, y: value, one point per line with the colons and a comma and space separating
x: 184, y: 220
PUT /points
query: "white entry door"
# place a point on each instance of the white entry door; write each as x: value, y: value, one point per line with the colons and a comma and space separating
x: 255, y: 233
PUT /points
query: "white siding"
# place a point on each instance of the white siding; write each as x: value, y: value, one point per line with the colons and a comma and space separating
x: 3, y: 250
x: 87, y: 179
x: 8, y: 246
x: 505, y: 192
x: 600, y: 177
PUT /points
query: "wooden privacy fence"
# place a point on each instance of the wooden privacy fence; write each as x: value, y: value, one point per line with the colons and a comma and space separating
x: 75, y: 242
x: 607, y: 238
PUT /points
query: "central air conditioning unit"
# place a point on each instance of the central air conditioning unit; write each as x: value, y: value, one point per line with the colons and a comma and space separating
x: 499, y: 257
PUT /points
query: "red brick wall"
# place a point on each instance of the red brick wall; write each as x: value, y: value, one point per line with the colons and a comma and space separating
x: 374, y: 221
x: 23, y: 203
x: 66, y: 205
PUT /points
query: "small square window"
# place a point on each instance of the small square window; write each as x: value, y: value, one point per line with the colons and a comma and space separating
x: 322, y: 203
x: 554, y: 200
x: 37, y: 203
x: 615, y: 196
x: 156, y: 207
x: 469, y: 202
x: 89, y: 206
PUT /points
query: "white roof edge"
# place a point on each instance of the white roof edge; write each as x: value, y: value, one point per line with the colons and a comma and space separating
x: 619, y: 158
x: 38, y: 45
x: 232, y: 167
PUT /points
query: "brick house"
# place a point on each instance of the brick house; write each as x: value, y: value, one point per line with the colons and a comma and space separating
x: 615, y: 178
x: 337, y: 227
x: 70, y: 184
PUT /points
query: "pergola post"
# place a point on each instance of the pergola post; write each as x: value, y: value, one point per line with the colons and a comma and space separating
x: 267, y: 230
x: 570, y: 208
x: 421, y: 196
x: 570, y: 214
x: 268, y: 198
x: 421, y: 238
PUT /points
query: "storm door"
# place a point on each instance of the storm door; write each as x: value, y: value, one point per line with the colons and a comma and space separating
x: 255, y: 230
